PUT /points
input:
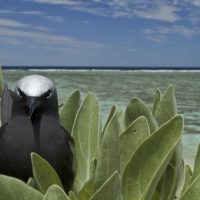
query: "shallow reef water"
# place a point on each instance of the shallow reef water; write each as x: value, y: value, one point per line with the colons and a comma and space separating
x: 118, y: 87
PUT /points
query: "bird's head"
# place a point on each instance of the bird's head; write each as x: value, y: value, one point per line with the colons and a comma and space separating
x: 35, y: 94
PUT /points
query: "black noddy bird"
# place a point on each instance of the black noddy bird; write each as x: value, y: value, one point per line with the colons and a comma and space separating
x: 34, y: 126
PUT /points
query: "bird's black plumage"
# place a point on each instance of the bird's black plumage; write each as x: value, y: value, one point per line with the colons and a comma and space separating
x: 34, y: 127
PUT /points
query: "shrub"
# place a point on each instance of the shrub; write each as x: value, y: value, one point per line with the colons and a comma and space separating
x: 137, y: 155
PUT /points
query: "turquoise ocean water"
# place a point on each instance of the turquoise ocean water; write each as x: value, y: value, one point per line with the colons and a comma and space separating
x: 118, y: 87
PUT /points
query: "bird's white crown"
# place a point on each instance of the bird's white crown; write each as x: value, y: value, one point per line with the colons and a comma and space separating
x: 34, y: 85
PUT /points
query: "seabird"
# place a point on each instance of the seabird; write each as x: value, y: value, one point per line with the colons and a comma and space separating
x: 34, y: 126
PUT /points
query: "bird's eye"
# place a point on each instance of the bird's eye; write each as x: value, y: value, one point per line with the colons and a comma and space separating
x: 48, y: 94
x: 20, y: 93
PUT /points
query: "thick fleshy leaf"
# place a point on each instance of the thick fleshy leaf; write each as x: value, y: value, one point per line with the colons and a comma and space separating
x: 87, y: 190
x: 137, y: 108
x: 112, y: 112
x: 110, y: 190
x: 31, y: 183
x: 44, y: 175
x: 72, y: 196
x: 108, y: 160
x: 167, y: 106
x: 188, y: 175
x: 193, y: 191
x: 1, y: 94
x: 14, y: 189
x: 121, y: 122
x: 157, y: 98
x: 69, y: 110
x: 1, y: 81
x: 6, y: 105
x: 86, y: 136
x: 170, y: 180
x: 180, y: 181
x: 196, y: 171
x: 150, y: 160
x: 55, y: 193
x: 131, y: 138
x: 186, y: 181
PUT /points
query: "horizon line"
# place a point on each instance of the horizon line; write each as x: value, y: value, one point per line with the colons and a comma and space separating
x: 98, y: 67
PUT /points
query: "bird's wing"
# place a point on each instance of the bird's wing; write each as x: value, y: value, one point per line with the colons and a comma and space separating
x: 6, y: 105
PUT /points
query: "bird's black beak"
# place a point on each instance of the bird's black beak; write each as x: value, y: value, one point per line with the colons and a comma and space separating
x: 33, y: 103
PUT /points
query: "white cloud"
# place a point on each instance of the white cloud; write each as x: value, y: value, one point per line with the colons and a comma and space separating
x: 168, y: 10
x: 94, y: 11
x: 156, y: 38
x: 10, y: 41
x: 55, y: 18
x: 62, y: 2
x: 196, y: 3
x: 28, y: 12
x: 20, y: 25
x: 163, y: 13
x: 185, y: 31
x: 121, y: 8
x: 50, y: 39
x: 5, y: 11
x: 161, y: 34
x: 12, y: 23
x: 41, y: 28
x: 31, y: 12
x: 35, y: 13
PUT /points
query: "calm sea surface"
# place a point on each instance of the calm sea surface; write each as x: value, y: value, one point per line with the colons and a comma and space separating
x: 118, y: 87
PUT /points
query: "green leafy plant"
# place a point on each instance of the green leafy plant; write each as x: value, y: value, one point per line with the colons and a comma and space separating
x: 136, y: 155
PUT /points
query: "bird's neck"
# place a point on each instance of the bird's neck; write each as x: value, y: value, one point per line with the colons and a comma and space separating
x: 36, y: 122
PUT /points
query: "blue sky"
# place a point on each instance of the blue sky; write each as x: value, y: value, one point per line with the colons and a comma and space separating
x: 100, y: 32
